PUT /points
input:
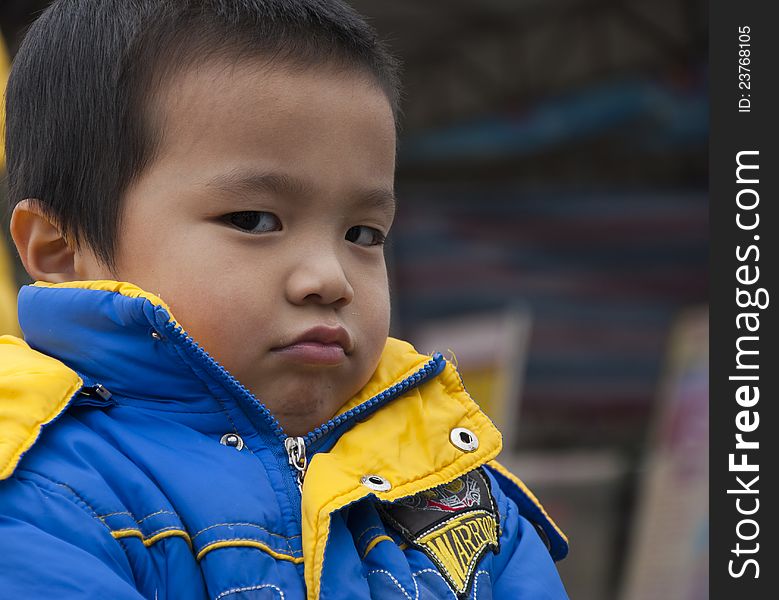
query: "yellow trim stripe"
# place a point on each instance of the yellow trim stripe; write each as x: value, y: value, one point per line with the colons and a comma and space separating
x: 509, y: 475
x: 372, y: 544
x: 125, y: 533
x: 248, y: 544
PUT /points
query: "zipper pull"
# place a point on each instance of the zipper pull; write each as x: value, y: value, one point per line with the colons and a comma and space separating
x: 94, y: 395
x: 296, y: 451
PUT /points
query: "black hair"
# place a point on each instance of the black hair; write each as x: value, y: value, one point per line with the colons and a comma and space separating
x: 77, y: 119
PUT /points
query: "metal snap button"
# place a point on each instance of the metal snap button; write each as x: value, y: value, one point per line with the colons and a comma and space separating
x: 156, y: 336
x: 464, y: 439
x: 376, y: 483
x: 233, y: 440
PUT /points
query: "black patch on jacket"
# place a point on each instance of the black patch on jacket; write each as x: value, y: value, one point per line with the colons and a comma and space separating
x: 454, y: 524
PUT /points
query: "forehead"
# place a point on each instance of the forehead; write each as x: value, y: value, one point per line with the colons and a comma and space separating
x: 324, y: 125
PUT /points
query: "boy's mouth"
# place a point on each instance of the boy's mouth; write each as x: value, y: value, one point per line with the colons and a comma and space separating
x: 319, y: 345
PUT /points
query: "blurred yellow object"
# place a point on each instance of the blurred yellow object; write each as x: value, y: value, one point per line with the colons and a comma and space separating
x: 5, y: 69
x: 8, y: 321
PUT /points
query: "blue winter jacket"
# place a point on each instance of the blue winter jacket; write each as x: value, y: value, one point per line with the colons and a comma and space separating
x: 132, y: 465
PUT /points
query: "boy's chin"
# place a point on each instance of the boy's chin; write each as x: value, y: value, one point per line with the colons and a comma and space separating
x: 305, y: 399
x: 297, y: 418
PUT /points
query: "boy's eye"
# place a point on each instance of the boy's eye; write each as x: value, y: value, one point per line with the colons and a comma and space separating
x: 365, y: 236
x: 254, y: 221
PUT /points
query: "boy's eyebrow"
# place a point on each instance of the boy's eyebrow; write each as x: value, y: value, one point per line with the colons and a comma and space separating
x: 251, y: 182
x: 382, y: 199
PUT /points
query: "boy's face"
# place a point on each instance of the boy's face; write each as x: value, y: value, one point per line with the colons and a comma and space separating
x: 261, y: 218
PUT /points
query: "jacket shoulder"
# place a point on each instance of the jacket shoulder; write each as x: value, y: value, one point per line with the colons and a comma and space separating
x: 35, y: 389
x: 530, y: 508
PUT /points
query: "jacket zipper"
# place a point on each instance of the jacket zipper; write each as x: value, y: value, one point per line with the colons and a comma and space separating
x: 177, y: 333
x: 297, y: 450
x: 296, y: 446
x: 316, y: 438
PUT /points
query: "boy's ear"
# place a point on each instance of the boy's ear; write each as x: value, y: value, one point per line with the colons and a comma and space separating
x: 45, y: 253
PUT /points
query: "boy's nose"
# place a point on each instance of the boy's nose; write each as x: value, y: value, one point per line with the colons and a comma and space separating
x: 320, y: 279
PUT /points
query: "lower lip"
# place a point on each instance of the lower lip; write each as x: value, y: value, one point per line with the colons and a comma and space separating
x: 313, y: 353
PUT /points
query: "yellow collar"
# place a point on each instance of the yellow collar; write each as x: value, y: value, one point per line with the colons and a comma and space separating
x: 407, y: 444
x: 34, y: 390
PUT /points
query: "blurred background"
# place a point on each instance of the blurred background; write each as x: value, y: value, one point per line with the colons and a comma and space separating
x: 552, y: 238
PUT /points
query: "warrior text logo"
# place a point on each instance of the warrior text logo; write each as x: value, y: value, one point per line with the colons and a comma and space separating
x: 459, y: 543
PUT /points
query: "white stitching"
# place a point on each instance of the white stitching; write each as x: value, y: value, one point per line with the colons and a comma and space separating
x: 249, y: 589
x: 260, y: 527
x: 435, y: 572
x: 101, y: 517
x: 159, y: 512
x: 476, y: 583
x: 415, y: 573
x: 397, y: 583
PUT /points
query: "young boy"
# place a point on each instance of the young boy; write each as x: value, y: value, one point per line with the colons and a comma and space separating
x: 234, y: 160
